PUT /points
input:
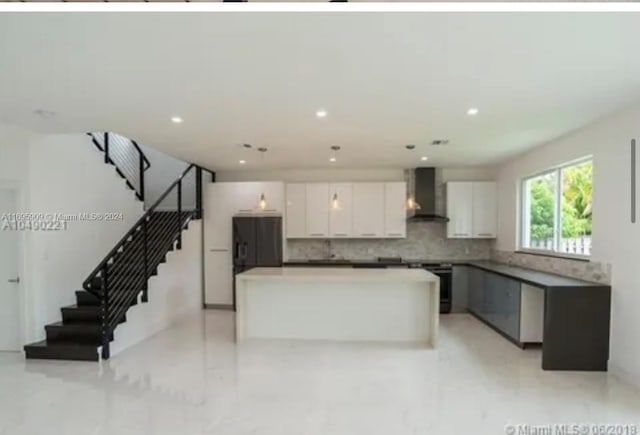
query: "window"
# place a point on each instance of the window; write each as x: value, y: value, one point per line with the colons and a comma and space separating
x: 556, y: 210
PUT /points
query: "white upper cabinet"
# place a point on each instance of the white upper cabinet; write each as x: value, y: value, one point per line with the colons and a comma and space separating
x: 472, y: 209
x: 340, y: 210
x: 395, y: 209
x: 460, y: 209
x: 317, y: 210
x: 362, y: 210
x: 485, y: 210
x: 247, y: 197
x: 296, y: 215
x: 368, y: 209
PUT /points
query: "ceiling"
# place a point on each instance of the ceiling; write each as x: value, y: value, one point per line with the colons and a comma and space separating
x: 385, y: 79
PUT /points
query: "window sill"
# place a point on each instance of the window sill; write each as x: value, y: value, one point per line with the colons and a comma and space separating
x: 576, y: 257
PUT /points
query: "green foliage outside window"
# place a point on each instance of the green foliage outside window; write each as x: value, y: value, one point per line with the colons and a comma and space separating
x: 577, y: 189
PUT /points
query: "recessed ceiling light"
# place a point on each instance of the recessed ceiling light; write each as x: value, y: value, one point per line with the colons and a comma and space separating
x: 473, y: 111
x: 242, y: 162
x: 424, y: 158
x: 176, y: 120
x: 332, y: 159
x: 321, y: 113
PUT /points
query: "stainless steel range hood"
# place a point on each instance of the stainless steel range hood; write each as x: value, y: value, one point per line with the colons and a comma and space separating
x: 422, y: 186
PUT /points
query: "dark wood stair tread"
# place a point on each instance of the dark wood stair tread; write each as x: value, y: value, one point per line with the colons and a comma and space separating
x: 61, y: 350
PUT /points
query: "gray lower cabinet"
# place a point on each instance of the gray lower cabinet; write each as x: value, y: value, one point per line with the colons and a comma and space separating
x: 496, y: 300
x: 460, y: 289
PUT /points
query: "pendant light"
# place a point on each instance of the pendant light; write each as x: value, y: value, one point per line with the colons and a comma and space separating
x: 335, y: 202
x: 262, y: 203
x: 412, y: 204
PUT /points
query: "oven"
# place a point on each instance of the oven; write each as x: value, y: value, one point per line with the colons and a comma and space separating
x: 444, y: 271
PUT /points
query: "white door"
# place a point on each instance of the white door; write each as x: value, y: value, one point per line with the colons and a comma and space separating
x: 460, y: 210
x: 317, y: 210
x: 341, y: 210
x: 9, y: 285
x: 395, y: 214
x: 485, y: 210
x: 296, y: 217
x: 368, y: 210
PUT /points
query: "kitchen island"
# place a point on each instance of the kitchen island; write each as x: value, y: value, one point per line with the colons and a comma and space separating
x: 386, y: 305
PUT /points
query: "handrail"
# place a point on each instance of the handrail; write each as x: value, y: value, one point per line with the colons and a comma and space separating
x: 144, y: 157
x: 127, y: 157
x: 123, y: 240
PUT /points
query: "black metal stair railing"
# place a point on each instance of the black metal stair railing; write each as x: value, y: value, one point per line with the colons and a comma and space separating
x: 127, y: 157
x: 124, y: 273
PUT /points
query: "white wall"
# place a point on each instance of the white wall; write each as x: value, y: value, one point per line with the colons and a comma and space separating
x: 67, y: 175
x: 163, y: 171
x: 174, y: 293
x: 615, y: 239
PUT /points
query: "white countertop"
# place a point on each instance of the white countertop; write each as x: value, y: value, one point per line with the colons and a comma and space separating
x: 337, y: 274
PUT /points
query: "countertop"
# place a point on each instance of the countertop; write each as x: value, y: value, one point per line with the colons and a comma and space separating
x: 533, y: 277
x: 372, y: 261
x: 528, y: 276
x: 337, y: 274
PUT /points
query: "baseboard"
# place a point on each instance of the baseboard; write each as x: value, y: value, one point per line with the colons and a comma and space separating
x: 226, y: 307
x: 623, y: 375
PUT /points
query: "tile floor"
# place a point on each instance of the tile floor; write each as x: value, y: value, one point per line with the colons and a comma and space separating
x: 193, y: 379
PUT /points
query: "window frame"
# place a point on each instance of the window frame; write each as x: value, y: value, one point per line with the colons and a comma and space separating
x: 525, y: 206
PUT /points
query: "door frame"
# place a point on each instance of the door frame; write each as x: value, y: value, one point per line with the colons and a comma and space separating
x: 21, y: 203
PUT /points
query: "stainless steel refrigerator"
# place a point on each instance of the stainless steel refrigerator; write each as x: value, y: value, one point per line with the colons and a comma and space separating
x: 257, y: 242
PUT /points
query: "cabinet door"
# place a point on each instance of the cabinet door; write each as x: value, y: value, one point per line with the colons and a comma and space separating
x: 460, y: 210
x: 218, y: 270
x: 340, y: 210
x: 512, y: 310
x: 247, y: 197
x: 219, y: 208
x: 476, y: 290
x: 296, y: 211
x: 485, y: 212
x: 460, y: 289
x: 317, y: 210
x: 395, y: 209
x: 368, y: 210
x: 274, y: 195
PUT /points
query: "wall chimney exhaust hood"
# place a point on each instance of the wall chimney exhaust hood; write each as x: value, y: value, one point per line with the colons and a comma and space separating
x: 422, y: 188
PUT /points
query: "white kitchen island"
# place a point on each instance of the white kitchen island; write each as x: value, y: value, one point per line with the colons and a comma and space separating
x: 323, y: 303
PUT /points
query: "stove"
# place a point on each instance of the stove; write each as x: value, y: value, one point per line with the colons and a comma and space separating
x: 444, y: 271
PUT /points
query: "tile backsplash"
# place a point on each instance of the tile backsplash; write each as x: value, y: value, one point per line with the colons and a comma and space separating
x: 425, y: 240
x: 585, y: 270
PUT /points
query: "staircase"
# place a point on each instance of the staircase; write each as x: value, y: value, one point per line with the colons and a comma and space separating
x: 120, y: 280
